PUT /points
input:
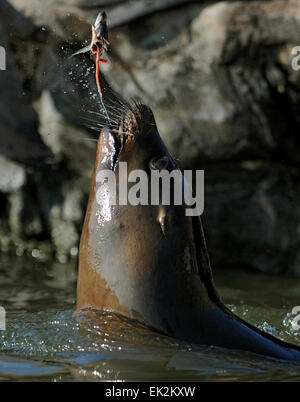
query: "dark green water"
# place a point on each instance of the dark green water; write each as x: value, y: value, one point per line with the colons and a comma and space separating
x: 45, y: 340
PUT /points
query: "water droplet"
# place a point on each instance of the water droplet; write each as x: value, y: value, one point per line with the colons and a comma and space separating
x: 20, y: 251
x: 74, y: 251
x: 35, y: 253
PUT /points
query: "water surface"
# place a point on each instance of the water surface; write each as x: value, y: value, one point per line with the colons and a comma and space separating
x: 47, y: 340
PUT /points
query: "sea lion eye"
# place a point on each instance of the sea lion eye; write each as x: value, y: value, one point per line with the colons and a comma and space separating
x: 159, y: 163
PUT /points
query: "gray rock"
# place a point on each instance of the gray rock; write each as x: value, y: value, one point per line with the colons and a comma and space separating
x: 66, y: 140
x: 12, y: 176
x: 252, y: 216
x: 224, y: 74
x: 19, y: 139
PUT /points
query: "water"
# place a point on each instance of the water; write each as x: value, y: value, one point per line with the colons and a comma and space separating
x: 47, y: 340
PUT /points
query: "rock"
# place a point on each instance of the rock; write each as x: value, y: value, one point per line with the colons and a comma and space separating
x: 37, y: 203
x: 10, y: 17
x: 61, y: 17
x: 19, y: 139
x: 224, y: 74
x: 218, y: 76
x: 65, y: 140
x: 61, y: 196
x: 12, y: 176
x: 252, y: 216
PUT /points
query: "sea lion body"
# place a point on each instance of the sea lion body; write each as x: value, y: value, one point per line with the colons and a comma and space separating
x: 160, y: 275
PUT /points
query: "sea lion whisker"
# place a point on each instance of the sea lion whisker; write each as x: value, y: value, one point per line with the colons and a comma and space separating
x: 111, y: 129
x: 115, y: 131
x: 115, y: 111
x: 117, y: 98
x: 125, y: 133
x: 101, y: 114
x: 118, y: 103
x: 99, y: 121
x: 88, y: 139
x: 96, y: 123
x: 93, y: 127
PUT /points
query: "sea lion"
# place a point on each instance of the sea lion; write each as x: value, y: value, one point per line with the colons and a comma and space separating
x: 150, y: 262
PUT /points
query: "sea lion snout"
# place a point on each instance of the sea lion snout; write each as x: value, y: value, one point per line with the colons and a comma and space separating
x: 106, y: 150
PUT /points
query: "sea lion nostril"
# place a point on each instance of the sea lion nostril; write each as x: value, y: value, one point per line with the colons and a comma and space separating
x: 159, y: 163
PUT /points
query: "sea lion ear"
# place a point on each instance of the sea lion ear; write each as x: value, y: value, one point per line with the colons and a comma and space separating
x: 106, y: 150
